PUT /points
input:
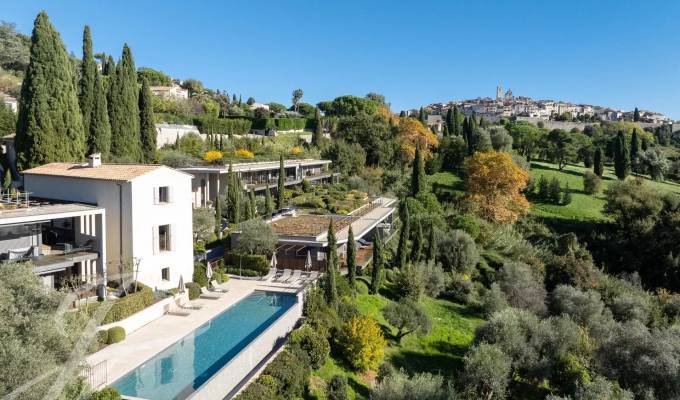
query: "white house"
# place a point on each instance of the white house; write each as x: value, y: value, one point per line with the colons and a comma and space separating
x: 11, y: 102
x: 170, y: 92
x: 167, y: 134
x: 148, y: 213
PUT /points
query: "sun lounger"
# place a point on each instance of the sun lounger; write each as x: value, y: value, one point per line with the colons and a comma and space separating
x: 176, y: 310
x: 216, y: 287
x: 297, y: 274
x: 270, y: 274
x: 210, y: 295
x: 311, y: 276
x: 188, y: 306
x: 286, y: 275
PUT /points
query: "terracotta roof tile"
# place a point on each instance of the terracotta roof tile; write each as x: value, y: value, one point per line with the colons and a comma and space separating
x: 107, y: 172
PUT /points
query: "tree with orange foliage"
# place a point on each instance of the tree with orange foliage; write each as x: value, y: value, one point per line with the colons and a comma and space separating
x: 494, y: 184
x: 411, y: 134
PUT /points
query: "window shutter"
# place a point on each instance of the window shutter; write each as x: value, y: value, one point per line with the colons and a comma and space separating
x: 156, y: 200
x: 155, y: 239
x: 171, y: 233
x: 171, y: 195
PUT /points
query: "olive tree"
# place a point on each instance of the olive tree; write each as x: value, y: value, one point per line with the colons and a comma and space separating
x: 256, y: 237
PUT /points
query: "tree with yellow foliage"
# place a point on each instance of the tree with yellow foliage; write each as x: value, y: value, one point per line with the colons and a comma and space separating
x: 413, y: 134
x: 363, y: 343
x: 494, y: 184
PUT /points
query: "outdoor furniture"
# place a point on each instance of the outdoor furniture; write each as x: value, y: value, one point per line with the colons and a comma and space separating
x: 269, y: 275
x: 188, y: 306
x: 216, y: 287
x: 313, y: 275
x: 209, y: 295
x: 363, y: 242
x: 297, y: 274
x: 176, y: 310
x: 286, y: 275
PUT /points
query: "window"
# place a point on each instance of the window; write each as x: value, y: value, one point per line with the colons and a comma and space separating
x: 165, y: 274
x: 164, y: 238
x: 162, y: 195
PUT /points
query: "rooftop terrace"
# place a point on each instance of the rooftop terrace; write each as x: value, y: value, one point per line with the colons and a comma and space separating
x: 21, y: 207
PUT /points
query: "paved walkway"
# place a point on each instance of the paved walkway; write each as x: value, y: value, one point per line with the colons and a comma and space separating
x: 154, y: 337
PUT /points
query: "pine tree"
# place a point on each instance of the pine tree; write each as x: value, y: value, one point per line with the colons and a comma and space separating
x: 218, y: 217
x: 330, y: 289
x: 404, y: 233
x: 431, y: 252
x: 554, y: 191
x: 124, y: 110
x: 636, y: 115
x: 376, y: 270
x: 417, y: 247
x: 418, y: 174
x: 543, y: 189
x: 280, y: 190
x: 598, y: 162
x: 49, y: 125
x: 268, y: 203
x: 566, y: 195
x: 88, y: 71
x: 351, y: 258
x: 621, y: 157
x: 634, y: 150
x: 318, y: 129
x: 99, y: 131
x: 146, y: 123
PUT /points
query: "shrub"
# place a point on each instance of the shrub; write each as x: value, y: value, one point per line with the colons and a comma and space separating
x: 290, y: 372
x: 199, y: 275
x: 458, y: 252
x: 116, y: 334
x: 337, y: 388
x: 106, y: 394
x: 410, y: 282
x: 466, y: 222
x: 591, y: 183
x: 103, y: 337
x: 425, y: 386
x: 522, y: 288
x: 243, y: 153
x: 194, y: 290
x: 130, y: 304
x: 362, y: 343
x: 486, y: 372
x: 212, y: 156
x: 408, y: 317
x: 312, y: 343
x: 253, y: 262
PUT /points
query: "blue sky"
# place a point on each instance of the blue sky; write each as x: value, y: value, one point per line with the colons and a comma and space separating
x: 615, y: 53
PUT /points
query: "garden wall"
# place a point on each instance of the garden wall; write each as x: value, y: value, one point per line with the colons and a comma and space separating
x: 147, y: 315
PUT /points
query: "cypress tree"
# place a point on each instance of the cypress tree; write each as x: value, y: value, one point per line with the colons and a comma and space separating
x: 88, y: 71
x: 124, y: 110
x: 99, y: 132
x: 351, y: 258
x: 598, y: 162
x: 418, y: 174
x: 636, y: 115
x: 281, y: 186
x: 417, y: 247
x: 146, y: 123
x: 457, y: 127
x: 634, y: 149
x: 49, y: 125
x: 330, y: 289
x: 445, y: 131
x: 268, y: 203
x: 7, y: 179
x: 421, y: 116
x: 248, y: 210
x: 318, y: 129
x: 233, y: 196
x: 431, y: 252
x: 644, y: 145
x: 449, y: 120
x: 621, y: 157
x: 252, y: 203
x: 109, y: 67
x: 376, y: 270
x: 218, y: 217
x: 404, y: 233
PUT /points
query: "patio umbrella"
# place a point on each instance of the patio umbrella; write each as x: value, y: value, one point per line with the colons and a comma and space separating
x: 208, y: 271
x: 308, y: 262
x: 273, y: 262
x: 181, y: 287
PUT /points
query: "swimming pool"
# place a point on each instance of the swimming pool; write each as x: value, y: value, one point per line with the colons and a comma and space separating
x: 177, y: 371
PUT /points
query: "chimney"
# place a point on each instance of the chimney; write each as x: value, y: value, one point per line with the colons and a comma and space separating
x: 95, y: 160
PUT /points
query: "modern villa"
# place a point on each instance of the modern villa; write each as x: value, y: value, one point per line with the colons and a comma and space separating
x: 147, y: 221
x: 304, y: 237
x: 208, y: 181
x: 64, y: 240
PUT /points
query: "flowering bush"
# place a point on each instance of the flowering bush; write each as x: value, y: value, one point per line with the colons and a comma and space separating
x: 296, y: 150
x: 363, y: 343
x: 212, y: 156
x: 243, y: 153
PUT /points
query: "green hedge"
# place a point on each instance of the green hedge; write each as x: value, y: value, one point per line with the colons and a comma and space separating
x: 116, y: 334
x: 281, y: 124
x: 223, y: 126
x: 194, y: 290
x: 130, y: 304
x: 254, y: 262
x: 199, y: 275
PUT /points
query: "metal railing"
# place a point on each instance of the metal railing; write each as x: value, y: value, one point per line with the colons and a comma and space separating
x: 95, y: 375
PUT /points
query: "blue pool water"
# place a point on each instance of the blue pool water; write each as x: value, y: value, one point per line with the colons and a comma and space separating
x: 179, y: 370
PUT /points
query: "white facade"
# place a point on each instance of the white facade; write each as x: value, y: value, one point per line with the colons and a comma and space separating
x: 11, y: 102
x: 170, y: 92
x: 137, y: 219
x: 167, y: 134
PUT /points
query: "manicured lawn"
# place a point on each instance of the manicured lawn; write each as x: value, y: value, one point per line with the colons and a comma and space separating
x: 583, y: 207
x: 441, y: 351
x: 446, y: 185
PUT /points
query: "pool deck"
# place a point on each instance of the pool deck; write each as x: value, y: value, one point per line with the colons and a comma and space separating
x: 154, y: 337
